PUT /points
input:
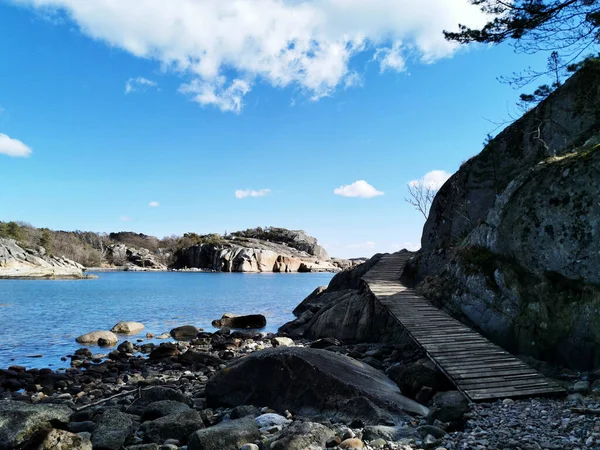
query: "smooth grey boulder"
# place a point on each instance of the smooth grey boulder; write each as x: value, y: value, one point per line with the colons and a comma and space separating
x: 94, y: 337
x: 309, y: 382
x: 112, y: 430
x: 448, y: 407
x: 20, y: 422
x: 229, y: 435
x: 158, y: 393
x: 174, y: 426
x: 372, y: 432
x: 127, y: 328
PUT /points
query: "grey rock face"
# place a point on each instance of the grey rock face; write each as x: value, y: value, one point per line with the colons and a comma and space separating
x: 230, y: 435
x: 563, y: 121
x: 303, y: 435
x: 16, y: 262
x: 21, y: 421
x: 311, y: 381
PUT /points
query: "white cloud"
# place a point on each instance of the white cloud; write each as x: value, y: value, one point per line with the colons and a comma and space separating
x: 304, y: 44
x: 433, y: 180
x: 359, y: 188
x: 13, y: 147
x: 251, y: 193
x: 138, y: 84
x: 154, y: 204
x: 410, y: 246
x: 215, y: 93
x: 126, y: 219
x: 391, y: 58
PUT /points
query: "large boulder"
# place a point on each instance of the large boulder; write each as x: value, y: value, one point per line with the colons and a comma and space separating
x: 230, y: 435
x: 254, y: 321
x: 128, y: 328
x: 309, y: 382
x: 105, y: 338
x: 112, y: 430
x: 20, y: 422
x: 303, y: 435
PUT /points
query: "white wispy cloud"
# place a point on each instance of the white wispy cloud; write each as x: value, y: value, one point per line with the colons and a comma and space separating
x: 154, y: 204
x: 359, y: 188
x: 138, y: 84
x: 243, y: 193
x: 305, y: 44
x: 13, y: 147
x: 391, y: 58
x: 126, y: 219
x: 432, y: 180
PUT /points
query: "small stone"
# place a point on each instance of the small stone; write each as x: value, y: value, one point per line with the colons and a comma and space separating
x: 249, y: 447
x: 282, y: 342
x: 507, y: 401
x: 352, y: 443
x: 333, y: 442
x: 377, y: 443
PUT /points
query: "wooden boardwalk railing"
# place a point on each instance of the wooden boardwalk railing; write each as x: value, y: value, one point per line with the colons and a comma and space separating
x: 479, y: 369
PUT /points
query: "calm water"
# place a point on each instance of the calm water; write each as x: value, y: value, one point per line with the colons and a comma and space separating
x: 44, y: 317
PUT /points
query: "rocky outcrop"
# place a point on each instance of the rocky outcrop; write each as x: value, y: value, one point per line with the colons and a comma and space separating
x: 528, y: 276
x: 564, y: 121
x: 16, y: 262
x: 345, y: 310
x: 242, y: 254
x: 122, y: 255
x: 296, y: 379
x: 511, y: 244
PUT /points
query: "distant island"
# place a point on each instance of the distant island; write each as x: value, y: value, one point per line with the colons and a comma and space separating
x: 30, y: 252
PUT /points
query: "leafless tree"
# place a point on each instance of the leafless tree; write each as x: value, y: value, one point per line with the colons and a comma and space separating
x: 421, y: 197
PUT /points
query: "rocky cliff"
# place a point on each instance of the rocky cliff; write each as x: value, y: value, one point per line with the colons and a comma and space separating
x: 16, y: 262
x: 511, y: 246
x: 280, y: 251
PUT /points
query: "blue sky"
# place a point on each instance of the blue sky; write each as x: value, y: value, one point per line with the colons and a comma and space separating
x: 230, y: 124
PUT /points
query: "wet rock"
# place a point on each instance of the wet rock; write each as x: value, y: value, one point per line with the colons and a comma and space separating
x: 165, y: 350
x: 254, y: 321
x: 184, y: 333
x: 108, y: 338
x: 193, y: 357
x: 425, y: 430
x: 112, y: 430
x: 163, y: 408
x: 19, y: 421
x: 303, y: 435
x: 63, y: 440
x: 126, y: 347
x: 79, y: 427
x: 310, y: 381
x: 229, y: 435
x: 581, y: 387
x: 128, y: 328
x: 271, y: 419
x: 174, y: 426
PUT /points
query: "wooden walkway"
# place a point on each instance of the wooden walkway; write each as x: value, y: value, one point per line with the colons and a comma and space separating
x: 479, y: 369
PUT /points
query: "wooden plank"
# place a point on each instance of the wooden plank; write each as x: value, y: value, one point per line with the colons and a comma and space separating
x: 459, y: 375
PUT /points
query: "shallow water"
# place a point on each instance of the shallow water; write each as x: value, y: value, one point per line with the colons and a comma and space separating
x: 44, y: 317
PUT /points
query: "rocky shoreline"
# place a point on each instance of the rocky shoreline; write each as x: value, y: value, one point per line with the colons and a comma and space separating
x: 186, y: 395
